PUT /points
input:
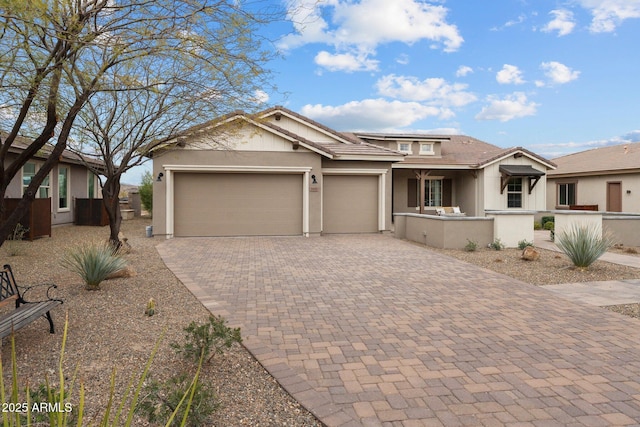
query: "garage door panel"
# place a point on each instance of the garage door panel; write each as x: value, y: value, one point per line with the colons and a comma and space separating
x: 226, y: 204
x: 350, y: 204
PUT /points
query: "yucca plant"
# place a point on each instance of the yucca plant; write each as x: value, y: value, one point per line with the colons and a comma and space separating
x: 583, y: 244
x: 93, y: 262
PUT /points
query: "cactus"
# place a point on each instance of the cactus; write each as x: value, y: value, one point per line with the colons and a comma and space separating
x: 151, y: 307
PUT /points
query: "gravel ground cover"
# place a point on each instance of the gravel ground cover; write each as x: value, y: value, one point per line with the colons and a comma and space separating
x: 108, y: 330
x: 552, y: 268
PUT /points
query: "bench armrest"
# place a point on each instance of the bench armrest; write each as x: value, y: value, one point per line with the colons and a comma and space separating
x: 25, y: 290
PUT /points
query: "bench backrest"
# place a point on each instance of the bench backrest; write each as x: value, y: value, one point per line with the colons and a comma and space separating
x: 8, y: 288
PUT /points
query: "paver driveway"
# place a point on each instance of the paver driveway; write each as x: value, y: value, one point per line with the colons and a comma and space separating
x: 370, y: 330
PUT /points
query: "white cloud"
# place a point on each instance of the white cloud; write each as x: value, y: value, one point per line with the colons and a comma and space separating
x: 345, y: 62
x: 562, y: 22
x: 608, y: 14
x: 361, y: 26
x: 370, y: 114
x: 463, y: 70
x: 510, y: 74
x: 403, y: 59
x: 261, y: 96
x: 559, y: 73
x: 436, y: 91
x: 511, y: 107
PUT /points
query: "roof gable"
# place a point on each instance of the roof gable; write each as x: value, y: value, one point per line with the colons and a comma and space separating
x: 316, y: 137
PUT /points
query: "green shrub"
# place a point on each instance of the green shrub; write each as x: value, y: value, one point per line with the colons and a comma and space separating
x: 537, y: 225
x: 208, y: 339
x: 524, y: 243
x: 146, y: 191
x: 161, y: 400
x: 471, y: 246
x: 549, y: 225
x: 496, y: 245
x: 546, y: 219
x: 583, y: 244
x: 93, y: 262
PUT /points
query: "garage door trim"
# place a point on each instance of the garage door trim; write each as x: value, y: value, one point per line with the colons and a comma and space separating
x: 381, y: 173
x: 169, y: 170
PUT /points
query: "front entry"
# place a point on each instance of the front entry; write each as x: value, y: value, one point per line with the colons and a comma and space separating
x: 614, y: 197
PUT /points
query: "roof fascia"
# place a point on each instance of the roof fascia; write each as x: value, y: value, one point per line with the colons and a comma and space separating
x: 510, y: 153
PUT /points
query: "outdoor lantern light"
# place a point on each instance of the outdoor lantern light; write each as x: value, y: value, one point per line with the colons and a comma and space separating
x: 160, y: 175
x: 313, y: 179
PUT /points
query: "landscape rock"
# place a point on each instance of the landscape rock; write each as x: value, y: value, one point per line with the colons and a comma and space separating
x: 530, y: 254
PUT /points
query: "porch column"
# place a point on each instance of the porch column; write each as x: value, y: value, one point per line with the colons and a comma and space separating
x: 422, y: 176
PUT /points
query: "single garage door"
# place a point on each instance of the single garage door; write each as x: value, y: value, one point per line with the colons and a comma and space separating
x: 227, y: 204
x: 350, y: 204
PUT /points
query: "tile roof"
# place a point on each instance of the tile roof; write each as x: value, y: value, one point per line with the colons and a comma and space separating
x: 457, y: 150
x: 615, y: 158
x: 68, y: 156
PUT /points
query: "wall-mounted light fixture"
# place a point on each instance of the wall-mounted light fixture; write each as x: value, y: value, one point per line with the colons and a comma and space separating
x: 628, y: 191
x: 313, y: 179
x: 160, y: 175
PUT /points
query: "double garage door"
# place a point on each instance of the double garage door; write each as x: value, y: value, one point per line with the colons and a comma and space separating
x: 257, y: 204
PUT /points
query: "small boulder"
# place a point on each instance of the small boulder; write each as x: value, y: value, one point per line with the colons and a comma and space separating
x: 126, y: 272
x: 530, y: 254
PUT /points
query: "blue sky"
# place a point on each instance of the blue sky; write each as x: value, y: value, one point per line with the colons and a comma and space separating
x: 554, y: 77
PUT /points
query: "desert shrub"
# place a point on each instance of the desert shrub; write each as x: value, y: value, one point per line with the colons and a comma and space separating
x: 549, y: 225
x: 93, y: 262
x: 497, y: 245
x: 159, y: 400
x: 14, y: 244
x: 146, y: 191
x: 583, y: 244
x: 524, y: 243
x: 208, y: 339
x: 546, y: 219
x: 537, y: 225
x: 471, y: 246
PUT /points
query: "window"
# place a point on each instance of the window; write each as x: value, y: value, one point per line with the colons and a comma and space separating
x: 514, y: 193
x: 433, y: 192
x: 404, y: 147
x: 91, y: 185
x: 426, y: 148
x: 29, y: 170
x: 63, y: 188
x: 566, y: 194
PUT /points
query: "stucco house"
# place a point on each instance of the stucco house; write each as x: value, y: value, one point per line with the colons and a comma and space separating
x: 68, y: 180
x: 605, y: 179
x: 280, y: 173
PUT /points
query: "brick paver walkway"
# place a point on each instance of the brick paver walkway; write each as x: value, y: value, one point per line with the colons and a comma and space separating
x: 373, y: 331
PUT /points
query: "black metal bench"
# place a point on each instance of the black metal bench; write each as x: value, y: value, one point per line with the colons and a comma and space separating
x: 25, y: 311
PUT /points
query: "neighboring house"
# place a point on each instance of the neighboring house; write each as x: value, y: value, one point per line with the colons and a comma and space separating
x: 68, y: 180
x: 606, y: 179
x: 280, y: 173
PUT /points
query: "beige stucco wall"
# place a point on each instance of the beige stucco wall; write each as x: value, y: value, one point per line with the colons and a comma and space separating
x: 624, y: 230
x: 444, y: 232
x: 592, y: 190
x: 301, y: 129
x: 493, y: 200
x: 512, y: 227
x: 300, y: 158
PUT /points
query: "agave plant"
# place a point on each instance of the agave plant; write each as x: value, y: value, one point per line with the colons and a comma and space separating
x: 93, y: 262
x: 583, y: 244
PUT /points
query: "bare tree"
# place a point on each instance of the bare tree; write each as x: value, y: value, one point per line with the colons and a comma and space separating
x: 56, y: 55
x: 217, y: 65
